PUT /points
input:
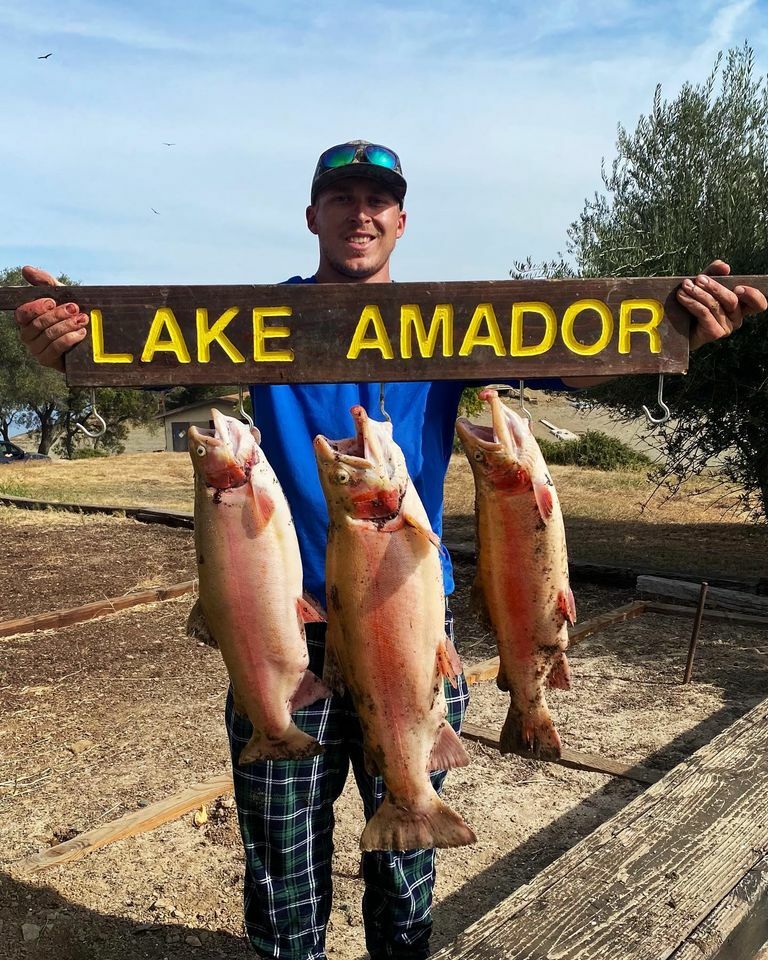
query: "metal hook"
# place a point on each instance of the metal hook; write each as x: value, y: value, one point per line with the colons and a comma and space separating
x: 381, y: 404
x: 94, y: 413
x: 241, y: 409
x: 662, y: 405
x: 526, y: 413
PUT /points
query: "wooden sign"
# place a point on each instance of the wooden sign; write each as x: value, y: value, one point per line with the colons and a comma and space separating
x: 327, y: 333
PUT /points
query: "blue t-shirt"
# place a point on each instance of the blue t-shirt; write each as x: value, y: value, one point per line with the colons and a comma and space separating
x: 290, y: 416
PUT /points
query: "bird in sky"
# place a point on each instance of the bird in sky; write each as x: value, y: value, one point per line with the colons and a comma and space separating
x: 155, y: 211
x: 45, y: 56
x: 168, y: 144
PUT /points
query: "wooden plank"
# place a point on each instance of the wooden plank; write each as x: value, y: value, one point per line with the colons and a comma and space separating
x: 90, y: 611
x: 129, y: 825
x: 575, y: 759
x: 674, y: 610
x: 280, y: 333
x: 579, y: 571
x: 716, y: 597
x: 737, y: 928
x: 488, y: 669
x: 641, y: 883
x: 169, y: 518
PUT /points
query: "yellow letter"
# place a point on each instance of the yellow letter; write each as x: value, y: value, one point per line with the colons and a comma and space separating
x: 569, y: 318
x: 97, y: 343
x: 627, y: 328
x: 164, y: 318
x: 483, y: 312
x: 370, y: 315
x: 410, y: 314
x: 516, y: 348
x: 260, y: 333
x: 206, y: 335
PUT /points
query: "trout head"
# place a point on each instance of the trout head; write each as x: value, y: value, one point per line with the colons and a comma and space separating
x: 365, y: 476
x: 225, y: 456
x: 505, y: 457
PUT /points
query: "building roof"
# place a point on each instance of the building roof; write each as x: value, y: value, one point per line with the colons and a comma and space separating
x: 206, y: 401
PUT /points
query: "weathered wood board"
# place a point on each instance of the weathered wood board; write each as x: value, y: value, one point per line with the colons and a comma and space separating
x: 575, y: 759
x: 318, y: 333
x: 725, y: 599
x: 642, y: 883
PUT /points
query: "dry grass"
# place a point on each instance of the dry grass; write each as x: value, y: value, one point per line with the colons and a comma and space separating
x: 608, y: 517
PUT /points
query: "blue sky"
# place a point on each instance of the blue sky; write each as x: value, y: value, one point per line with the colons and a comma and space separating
x: 500, y: 111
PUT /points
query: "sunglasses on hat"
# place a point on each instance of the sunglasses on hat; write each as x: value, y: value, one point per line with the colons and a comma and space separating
x: 346, y: 153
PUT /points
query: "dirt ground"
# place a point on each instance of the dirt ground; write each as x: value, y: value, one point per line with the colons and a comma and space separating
x: 101, y: 718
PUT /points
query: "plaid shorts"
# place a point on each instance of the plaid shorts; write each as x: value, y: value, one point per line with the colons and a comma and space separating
x: 285, y: 810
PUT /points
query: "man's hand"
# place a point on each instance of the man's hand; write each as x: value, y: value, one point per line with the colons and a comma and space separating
x: 717, y: 310
x: 48, y: 331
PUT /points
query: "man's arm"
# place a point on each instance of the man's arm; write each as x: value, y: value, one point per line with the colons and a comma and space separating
x: 717, y: 311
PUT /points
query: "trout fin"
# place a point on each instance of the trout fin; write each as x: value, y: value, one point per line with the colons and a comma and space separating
x: 293, y: 745
x: 310, y: 610
x: 559, y: 677
x: 237, y: 703
x: 542, y: 490
x: 502, y: 681
x: 567, y: 605
x: 425, y: 531
x: 400, y: 828
x: 332, y: 675
x: 197, y: 626
x: 371, y: 767
x: 531, y: 734
x: 262, y: 507
x: 448, y: 663
x: 448, y: 751
x: 478, y: 603
x: 310, y: 688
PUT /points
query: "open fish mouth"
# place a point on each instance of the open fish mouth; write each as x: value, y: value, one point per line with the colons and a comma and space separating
x: 226, y: 454
x: 509, y: 428
x: 348, y: 451
x: 473, y: 434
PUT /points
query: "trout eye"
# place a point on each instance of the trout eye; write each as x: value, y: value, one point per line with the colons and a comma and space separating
x: 478, y: 455
x: 341, y: 477
x: 201, y: 451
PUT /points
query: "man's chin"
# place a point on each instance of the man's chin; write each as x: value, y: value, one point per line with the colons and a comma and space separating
x: 357, y: 269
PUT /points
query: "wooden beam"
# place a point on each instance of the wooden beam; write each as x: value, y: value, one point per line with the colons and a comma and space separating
x: 488, y: 669
x: 139, y: 821
x: 674, y: 610
x: 90, y: 611
x: 575, y: 759
x: 317, y: 333
x: 170, y: 518
x: 642, y: 884
x: 683, y: 590
x: 738, y: 926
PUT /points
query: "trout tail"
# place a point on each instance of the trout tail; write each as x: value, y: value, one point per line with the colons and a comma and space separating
x: 530, y: 732
x: 402, y: 828
x: 294, y: 744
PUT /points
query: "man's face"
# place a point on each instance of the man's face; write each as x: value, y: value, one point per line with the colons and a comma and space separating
x: 357, y: 222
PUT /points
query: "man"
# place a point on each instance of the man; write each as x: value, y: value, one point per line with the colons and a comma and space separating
x: 286, y: 807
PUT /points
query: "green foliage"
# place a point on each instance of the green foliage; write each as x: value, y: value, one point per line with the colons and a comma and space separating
x: 89, y: 453
x: 470, y: 404
x: 594, y: 449
x: 690, y: 185
x: 13, y: 488
x: 40, y: 400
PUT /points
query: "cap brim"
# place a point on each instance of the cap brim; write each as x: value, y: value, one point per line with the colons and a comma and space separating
x: 394, y: 182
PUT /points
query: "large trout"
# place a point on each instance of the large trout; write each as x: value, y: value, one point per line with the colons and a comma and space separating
x: 386, y: 637
x: 522, y: 572
x: 250, y: 602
